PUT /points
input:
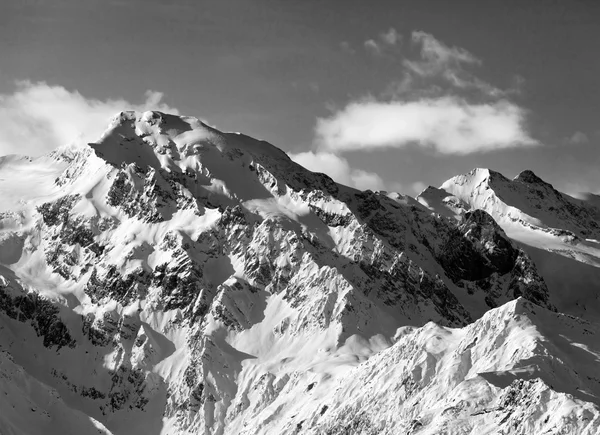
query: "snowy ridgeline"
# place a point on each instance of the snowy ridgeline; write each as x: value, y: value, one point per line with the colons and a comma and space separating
x: 174, y: 279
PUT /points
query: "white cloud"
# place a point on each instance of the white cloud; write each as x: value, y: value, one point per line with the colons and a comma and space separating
x: 372, y: 46
x: 391, y: 37
x: 396, y: 186
x: 437, y: 60
x: 436, y: 56
x: 345, y: 46
x: 435, y: 104
x: 418, y: 187
x: 38, y: 117
x: 407, y: 189
x: 449, y: 125
x: 578, y: 138
x: 339, y: 169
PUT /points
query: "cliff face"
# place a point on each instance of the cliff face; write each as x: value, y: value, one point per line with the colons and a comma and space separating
x: 559, y: 233
x: 171, y: 278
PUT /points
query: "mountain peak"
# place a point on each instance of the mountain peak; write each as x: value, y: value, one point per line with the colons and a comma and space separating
x: 177, y: 143
x: 475, y: 177
x: 529, y: 177
x: 525, y: 204
x: 479, y: 173
x: 146, y: 138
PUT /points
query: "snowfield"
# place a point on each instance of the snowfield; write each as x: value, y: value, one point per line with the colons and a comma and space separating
x: 174, y: 279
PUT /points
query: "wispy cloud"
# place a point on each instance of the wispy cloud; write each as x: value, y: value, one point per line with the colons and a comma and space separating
x: 37, y: 117
x: 578, y: 138
x: 436, y: 103
x: 303, y: 86
x: 391, y: 37
x: 384, y: 40
x: 372, y: 46
x: 345, y: 46
x: 418, y: 187
x: 438, y: 60
x: 437, y: 57
x: 339, y: 169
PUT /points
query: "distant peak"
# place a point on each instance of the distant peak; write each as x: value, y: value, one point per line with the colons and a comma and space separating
x: 528, y: 176
x: 429, y: 189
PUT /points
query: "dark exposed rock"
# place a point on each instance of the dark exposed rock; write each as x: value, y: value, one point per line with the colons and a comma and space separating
x: 92, y: 393
x: 54, y: 213
x: 368, y: 203
x: 66, y: 231
x: 179, y: 286
x: 233, y: 216
x: 331, y: 219
x: 478, y: 252
x: 477, y: 248
x: 113, y: 285
x: 41, y: 313
x: 142, y: 202
x: 461, y: 261
x: 102, y: 335
x: 127, y: 389
x: 526, y: 282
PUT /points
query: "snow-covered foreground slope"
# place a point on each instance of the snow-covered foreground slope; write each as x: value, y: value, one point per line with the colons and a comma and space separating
x: 559, y: 232
x: 31, y: 407
x: 174, y: 279
x: 518, y: 369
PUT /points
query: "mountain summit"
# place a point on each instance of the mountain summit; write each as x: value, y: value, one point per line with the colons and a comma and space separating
x: 172, y: 279
x: 559, y: 232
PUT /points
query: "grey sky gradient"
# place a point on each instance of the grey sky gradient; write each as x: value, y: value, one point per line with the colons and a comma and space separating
x: 271, y: 69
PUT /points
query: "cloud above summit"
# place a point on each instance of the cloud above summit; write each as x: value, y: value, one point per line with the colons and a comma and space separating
x: 38, y: 117
x: 449, y: 125
x: 437, y: 103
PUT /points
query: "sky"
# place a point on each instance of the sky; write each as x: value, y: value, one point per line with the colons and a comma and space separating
x: 387, y: 95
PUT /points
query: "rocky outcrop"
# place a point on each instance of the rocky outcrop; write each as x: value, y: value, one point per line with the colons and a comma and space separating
x: 41, y: 314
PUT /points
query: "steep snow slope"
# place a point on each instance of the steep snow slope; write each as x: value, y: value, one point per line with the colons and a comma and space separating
x: 559, y: 232
x: 30, y: 407
x: 518, y: 369
x: 171, y: 278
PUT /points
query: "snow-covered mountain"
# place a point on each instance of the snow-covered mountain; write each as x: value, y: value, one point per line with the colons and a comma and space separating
x: 559, y: 232
x: 174, y: 279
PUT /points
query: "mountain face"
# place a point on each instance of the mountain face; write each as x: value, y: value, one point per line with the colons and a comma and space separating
x: 561, y: 234
x: 174, y: 279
